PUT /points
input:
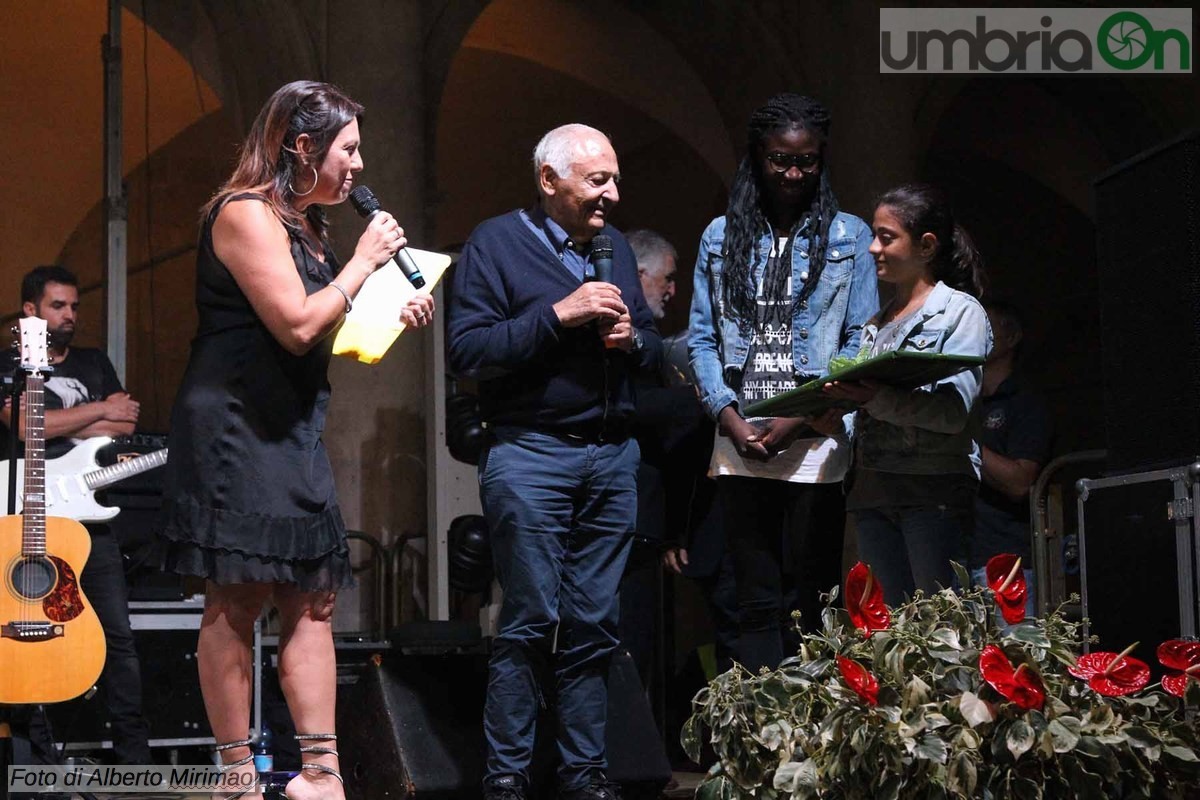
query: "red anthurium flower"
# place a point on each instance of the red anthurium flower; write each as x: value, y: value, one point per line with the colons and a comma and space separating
x: 1022, y: 685
x: 1183, y: 656
x: 864, y: 600
x: 1112, y: 674
x: 857, y: 678
x: 1005, y: 578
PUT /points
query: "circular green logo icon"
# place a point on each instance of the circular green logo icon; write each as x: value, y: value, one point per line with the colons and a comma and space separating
x: 1124, y: 40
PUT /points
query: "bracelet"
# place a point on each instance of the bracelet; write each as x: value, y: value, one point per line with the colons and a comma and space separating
x: 345, y: 294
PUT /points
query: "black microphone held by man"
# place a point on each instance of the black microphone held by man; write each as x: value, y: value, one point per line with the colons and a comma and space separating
x: 602, y: 257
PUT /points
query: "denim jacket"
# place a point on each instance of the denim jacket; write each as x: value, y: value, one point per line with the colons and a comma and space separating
x: 925, y: 431
x: 827, y: 324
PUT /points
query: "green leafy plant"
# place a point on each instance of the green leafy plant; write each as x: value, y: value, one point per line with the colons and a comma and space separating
x: 900, y: 708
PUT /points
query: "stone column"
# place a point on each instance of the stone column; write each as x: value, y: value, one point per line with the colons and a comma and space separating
x: 376, y: 427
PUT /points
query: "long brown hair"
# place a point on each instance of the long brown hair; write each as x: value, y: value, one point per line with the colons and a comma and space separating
x: 269, y: 163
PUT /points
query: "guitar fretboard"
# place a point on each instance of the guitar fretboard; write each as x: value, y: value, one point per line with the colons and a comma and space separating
x: 33, y: 525
x: 106, y: 476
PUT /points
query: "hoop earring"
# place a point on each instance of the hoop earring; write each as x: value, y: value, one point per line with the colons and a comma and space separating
x: 316, y: 177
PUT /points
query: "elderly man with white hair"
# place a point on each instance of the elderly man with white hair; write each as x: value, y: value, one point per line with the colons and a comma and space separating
x: 554, y: 353
x: 656, y: 260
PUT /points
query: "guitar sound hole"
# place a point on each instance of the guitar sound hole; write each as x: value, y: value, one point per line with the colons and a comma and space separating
x: 33, y: 578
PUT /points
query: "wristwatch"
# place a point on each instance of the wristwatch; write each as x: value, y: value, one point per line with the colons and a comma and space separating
x: 637, y: 339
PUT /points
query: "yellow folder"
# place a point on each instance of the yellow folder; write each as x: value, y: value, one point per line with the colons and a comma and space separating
x: 374, y: 322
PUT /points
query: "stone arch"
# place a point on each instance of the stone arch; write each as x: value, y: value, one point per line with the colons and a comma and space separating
x: 244, y: 50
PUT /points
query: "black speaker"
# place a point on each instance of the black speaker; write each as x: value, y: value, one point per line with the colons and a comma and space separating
x: 1148, y: 247
x: 171, y: 699
x: 413, y: 726
x: 140, y: 499
x: 1133, y: 585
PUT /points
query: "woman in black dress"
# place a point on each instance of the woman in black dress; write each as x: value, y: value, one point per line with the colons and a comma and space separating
x: 249, y: 502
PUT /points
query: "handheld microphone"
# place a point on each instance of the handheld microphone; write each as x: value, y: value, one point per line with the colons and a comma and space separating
x: 602, y: 257
x: 367, y: 206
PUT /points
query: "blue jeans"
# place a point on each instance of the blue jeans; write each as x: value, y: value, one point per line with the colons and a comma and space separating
x: 561, y: 515
x: 911, y: 548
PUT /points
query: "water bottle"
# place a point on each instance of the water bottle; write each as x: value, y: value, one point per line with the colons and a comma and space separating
x: 1070, y: 554
x: 264, y: 760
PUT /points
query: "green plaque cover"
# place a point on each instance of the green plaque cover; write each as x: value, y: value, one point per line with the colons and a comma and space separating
x: 904, y: 369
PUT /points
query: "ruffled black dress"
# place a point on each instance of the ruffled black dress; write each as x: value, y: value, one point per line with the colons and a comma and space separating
x: 249, y: 495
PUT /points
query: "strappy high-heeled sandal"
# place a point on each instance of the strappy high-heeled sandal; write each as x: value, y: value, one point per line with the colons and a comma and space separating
x: 317, y: 749
x: 234, y: 765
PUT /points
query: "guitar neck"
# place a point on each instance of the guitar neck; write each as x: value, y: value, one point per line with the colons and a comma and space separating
x: 33, y: 525
x: 107, y: 476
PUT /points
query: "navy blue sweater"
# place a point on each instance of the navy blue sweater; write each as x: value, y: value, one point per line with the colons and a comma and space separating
x: 532, y: 371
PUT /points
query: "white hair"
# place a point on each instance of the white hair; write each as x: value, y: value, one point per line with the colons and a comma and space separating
x: 558, y: 148
x: 650, y: 247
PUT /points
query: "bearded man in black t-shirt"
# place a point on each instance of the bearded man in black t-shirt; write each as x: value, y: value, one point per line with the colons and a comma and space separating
x: 84, y: 398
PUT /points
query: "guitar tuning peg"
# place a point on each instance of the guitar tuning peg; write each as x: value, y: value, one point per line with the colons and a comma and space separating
x: 13, y: 330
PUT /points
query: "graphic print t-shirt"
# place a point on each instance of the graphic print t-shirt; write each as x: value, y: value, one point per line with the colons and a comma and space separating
x: 769, y: 365
x: 816, y: 459
x: 85, y: 376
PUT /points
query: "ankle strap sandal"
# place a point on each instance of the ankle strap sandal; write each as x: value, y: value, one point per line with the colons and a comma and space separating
x: 320, y: 750
x: 241, y: 762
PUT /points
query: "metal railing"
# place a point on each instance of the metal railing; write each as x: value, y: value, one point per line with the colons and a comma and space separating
x: 1047, y: 524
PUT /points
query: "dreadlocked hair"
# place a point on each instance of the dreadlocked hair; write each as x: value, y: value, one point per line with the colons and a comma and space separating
x: 922, y: 208
x: 746, y: 222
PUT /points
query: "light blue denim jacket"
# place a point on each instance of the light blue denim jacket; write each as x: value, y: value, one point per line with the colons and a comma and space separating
x: 827, y: 324
x: 925, y: 431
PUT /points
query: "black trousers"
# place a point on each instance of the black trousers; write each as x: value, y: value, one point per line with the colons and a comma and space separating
x: 641, y: 607
x: 720, y: 593
x: 104, y: 584
x: 786, y: 542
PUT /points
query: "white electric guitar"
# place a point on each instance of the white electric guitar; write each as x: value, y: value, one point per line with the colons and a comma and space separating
x: 73, y: 479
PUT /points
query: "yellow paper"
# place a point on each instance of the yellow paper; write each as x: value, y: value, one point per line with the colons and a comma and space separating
x: 374, y: 322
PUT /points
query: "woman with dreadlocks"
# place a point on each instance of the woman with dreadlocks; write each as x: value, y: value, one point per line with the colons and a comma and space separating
x: 783, y: 284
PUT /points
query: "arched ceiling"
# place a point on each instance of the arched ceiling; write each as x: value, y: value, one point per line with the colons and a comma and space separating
x: 245, y: 50
x: 615, y: 52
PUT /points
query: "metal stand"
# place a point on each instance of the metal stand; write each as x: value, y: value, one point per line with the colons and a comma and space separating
x: 1048, y: 528
x: 14, y: 387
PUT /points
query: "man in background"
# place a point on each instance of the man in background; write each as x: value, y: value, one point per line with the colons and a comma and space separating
x: 1015, y: 443
x: 679, y: 526
x: 656, y: 259
x: 84, y: 398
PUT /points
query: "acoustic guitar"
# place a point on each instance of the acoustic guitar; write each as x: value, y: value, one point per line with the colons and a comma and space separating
x: 51, y: 643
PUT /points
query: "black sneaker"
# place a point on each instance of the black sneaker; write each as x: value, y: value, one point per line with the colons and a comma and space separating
x: 507, y: 787
x: 596, y: 790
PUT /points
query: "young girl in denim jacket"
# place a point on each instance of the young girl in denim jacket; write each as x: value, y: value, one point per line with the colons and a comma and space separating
x: 916, y: 468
